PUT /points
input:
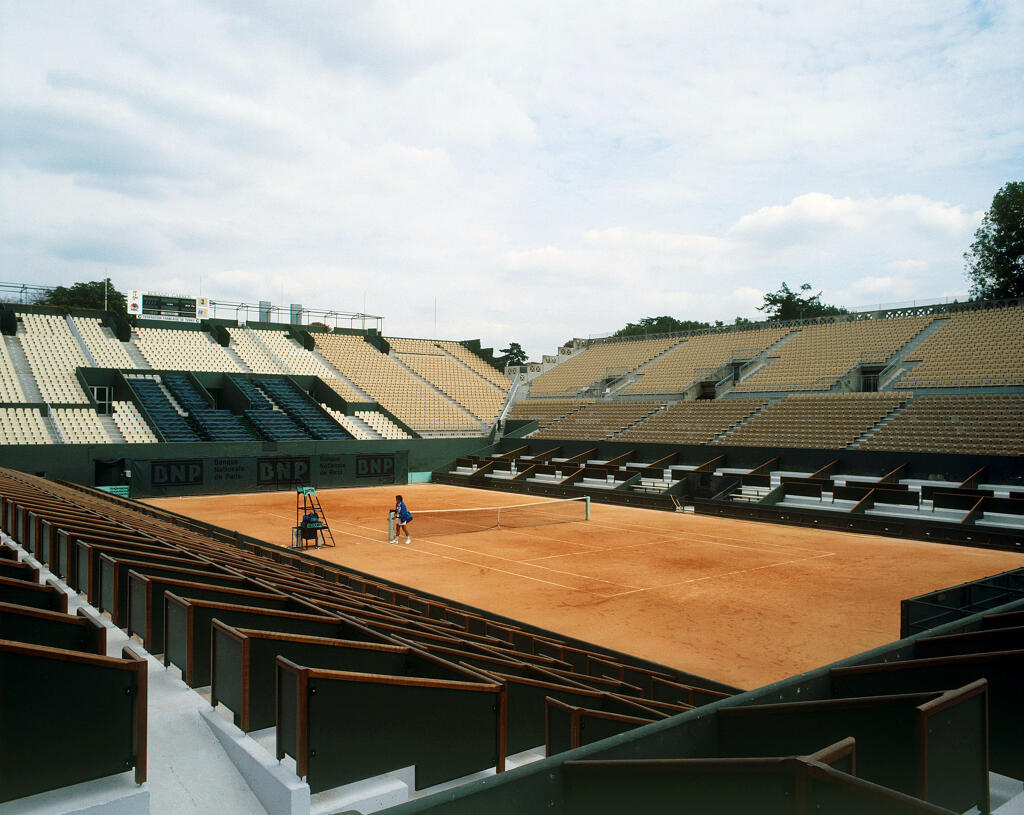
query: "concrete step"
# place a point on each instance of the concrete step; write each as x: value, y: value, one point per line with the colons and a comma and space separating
x: 22, y: 368
x: 135, y: 355
x: 110, y: 426
x: 73, y: 327
x: 339, y: 375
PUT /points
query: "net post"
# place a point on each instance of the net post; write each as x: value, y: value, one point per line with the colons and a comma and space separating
x: 588, y: 506
x: 391, y: 524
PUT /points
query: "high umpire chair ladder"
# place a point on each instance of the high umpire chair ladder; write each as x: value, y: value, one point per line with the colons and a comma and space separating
x: 307, y: 534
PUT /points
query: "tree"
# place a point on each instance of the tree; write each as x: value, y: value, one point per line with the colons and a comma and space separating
x: 786, y: 304
x: 659, y: 325
x: 514, y: 354
x: 995, y: 261
x: 85, y: 295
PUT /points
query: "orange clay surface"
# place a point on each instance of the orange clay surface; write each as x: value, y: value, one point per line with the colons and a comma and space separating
x: 740, y: 602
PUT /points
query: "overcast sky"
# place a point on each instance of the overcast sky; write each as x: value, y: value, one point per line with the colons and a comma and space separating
x: 544, y: 170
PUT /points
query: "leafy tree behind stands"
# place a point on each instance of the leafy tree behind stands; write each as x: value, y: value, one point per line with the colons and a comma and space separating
x: 995, y: 261
x: 84, y: 295
x: 514, y: 354
x: 659, y: 325
x: 786, y: 304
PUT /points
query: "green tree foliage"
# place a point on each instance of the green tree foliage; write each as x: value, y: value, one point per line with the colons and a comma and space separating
x: 514, y: 354
x: 995, y: 261
x: 659, y: 325
x: 85, y: 295
x: 786, y: 304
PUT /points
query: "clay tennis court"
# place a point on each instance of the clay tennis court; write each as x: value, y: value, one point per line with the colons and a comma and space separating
x: 740, y: 602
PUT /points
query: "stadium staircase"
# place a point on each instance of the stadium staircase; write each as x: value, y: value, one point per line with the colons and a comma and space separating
x: 762, y: 359
x: 80, y: 340
x: 22, y: 369
x: 231, y: 352
x: 111, y: 429
x: 892, y: 414
x: 899, y: 366
x: 339, y: 375
x: 637, y: 373
x: 725, y: 433
x: 134, y: 354
x: 433, y: 387
x: 306, y: 413
x: 164, y: 412
x: 258, y: 342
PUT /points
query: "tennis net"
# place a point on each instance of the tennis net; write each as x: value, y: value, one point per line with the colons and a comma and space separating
x: 433, y: 522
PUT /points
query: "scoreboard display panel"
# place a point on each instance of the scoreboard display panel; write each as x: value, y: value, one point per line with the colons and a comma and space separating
x: 156, y: 306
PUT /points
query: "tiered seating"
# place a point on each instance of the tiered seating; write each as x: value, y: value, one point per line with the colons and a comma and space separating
x: 181, y: 350
x: 414, y: 403
x: 355, y: 430
x: 80, y: 426
x: 989, y: 424
x: 344, y: 390
x: 107, y: 351
x: 251, y: 354
x: 488, y: 372
x: 296, y: 359
x: 257, y: 398
x: 600, y: 420
x: 131, y: 424
x: 693, y: 422
x: 382, y: 424
x: 826, y: 421
x: 546, y: 411
x: 461, y: 689
x: 477, y: 395
x: 972, y: 348
x: 10, y: 389
x: 680, y: 366
x: 819, y: 355
x: 23, y: 426
x: 307, y: 415
x: 171, y: 424
x: 54, y: 354
x: 597, y: 362
x: 276, y: 425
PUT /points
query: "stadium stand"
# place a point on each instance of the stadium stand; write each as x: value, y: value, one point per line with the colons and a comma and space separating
x: 129, y: 421
x: 600, y: 420
x: 106, y: 350
x: 276, y: 425
x: 302, y: 410
x: 830, y: 421
x: 991, y: 424
x: 597, y: 363
x: 54, y: 354
x: 10, y: 390
x: 546, y: 411
x: 79, y: 426
x: 700, y: 355
x: 294, y: 358
x: 973, y: 348
x: 169, y: 420
x: 355, y: 428
x: 414, y: 402
x: 467, y: 357
x: 693, y: 422
x: 479, y: 396
x: 251, y: 353
x: 817, y: 357
x: 382, y: 424
x: 181, y: 350
x: 23, y: 426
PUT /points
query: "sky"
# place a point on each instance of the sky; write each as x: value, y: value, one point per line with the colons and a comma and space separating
x: 538, y: 170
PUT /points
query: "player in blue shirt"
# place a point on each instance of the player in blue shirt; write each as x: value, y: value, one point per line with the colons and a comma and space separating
x: 402, y: 519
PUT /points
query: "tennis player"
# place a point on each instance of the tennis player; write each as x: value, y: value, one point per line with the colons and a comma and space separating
x: 402, y: 519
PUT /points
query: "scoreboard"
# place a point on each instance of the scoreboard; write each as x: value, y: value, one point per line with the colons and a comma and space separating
x: 179, y: 308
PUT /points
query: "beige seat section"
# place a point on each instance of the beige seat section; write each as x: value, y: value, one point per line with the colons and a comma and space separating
x: 388, y: 383
x: 693, y: 422
x: 596, y: 362
x: 10, y: 388
x: 598, y: 421
x: 825, y: 421
x: 106, y: 349
x: 546, y: 411
x: 80, y: 426
x: 675, y: 371
x: 972, y: 348
x: 131, y: 424
x: 53, y: 353
x: 172, y: 349
x: 23, y: 426
x: 819, y: 355
x: 982, y: 424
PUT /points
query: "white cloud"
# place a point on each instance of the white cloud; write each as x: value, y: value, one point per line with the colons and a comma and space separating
x: 543, y: 170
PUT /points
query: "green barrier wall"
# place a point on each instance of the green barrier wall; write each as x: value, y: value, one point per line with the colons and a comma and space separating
x: 209, y: 468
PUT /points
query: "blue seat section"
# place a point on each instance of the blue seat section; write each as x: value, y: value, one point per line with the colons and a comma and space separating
x: 276, y: 425
x: 256, y: 398
x: 306, y: 413
x: 221, y: 425
x: 162, y: 413
x: 216, y: 425
x: 185, y: 392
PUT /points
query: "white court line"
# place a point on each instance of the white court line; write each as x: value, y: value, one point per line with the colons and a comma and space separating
x: 724, y: 574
